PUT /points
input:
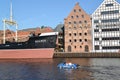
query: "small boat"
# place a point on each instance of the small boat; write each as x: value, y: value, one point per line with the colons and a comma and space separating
x: 65, y: 65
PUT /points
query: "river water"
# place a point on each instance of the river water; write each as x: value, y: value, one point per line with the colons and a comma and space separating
x: 46, y: 69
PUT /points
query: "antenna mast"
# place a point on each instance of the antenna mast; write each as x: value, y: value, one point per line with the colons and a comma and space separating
x: 11, y: 16
x: 9, y: 22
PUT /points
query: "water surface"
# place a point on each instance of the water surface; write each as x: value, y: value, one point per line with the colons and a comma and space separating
x: 46, y: 69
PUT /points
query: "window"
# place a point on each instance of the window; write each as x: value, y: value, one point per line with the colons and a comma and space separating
x: 75, y: 40
x: 97, y: 47
x: 69, y: 49
x: 96, y: 39
x: 75, y: 34
x: 85, y: 34
x: 111, y: 47
x: 77, y: 16
x: 80, y: 46
x: 80, y: 40
x: 69, y: 22
x: 96, y: 21
x: 85, y: 21
x: 75, y: 47
x: 82, y: 16
x: 74, y: 10
x: 72, y: 17
x: 80, y: 22
x: 80, y: 34
x: 111, y: 38
x: 111, y: 29
x: 79, y: 10
x: 109, y: 5
x: 85, y: 40
x: 110, y: 20
x: 109, y: 12
x: 96, y: 30
x: 70, y: 34
x: 97, y: 26
x: 74, y: 22
x: 86, y: 48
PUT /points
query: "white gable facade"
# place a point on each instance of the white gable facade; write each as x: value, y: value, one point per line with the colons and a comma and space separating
x: 106, y: 27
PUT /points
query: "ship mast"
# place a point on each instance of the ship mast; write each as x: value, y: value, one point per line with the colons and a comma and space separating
x: 9, y: 22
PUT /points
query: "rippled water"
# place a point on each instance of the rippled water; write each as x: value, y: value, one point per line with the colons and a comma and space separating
x: 46, y: 69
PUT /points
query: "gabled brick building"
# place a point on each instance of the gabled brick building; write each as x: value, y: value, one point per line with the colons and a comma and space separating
x: 77, y: 29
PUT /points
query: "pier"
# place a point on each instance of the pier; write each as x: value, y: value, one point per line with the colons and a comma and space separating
x: 85, y: 55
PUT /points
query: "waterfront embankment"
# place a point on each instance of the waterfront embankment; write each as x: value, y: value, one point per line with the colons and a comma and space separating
x: 85, y: 55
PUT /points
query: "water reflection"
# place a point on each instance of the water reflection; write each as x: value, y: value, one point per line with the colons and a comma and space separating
x: 105, y: 69
x: 77, y: 73
x: 46, y: 69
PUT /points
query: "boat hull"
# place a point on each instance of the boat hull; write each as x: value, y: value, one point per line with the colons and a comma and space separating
x: 27, y: 53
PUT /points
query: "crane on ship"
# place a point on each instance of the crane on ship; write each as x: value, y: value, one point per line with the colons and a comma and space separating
x: 10, y: 22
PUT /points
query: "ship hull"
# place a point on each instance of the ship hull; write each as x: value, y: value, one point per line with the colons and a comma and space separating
x: 27, y: 53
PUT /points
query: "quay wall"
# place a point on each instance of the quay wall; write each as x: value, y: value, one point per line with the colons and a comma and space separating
x: 85, y: 55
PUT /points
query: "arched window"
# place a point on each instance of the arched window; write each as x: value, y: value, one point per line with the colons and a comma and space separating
x: 69, y: 48
x: 86, y: 48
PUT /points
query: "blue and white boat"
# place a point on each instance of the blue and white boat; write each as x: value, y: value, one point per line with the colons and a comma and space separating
x: 65, y: 65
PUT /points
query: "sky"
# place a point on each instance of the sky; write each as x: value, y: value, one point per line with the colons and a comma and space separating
x: 36, y: 13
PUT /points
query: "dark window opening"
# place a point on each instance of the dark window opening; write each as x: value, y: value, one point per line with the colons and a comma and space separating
x: 96, y: 21
x: 80, y: 40
x: 109, y: 5
x: 82, y: 16
x: 79, y: 10
x: 77, y: 16
x: 72, y: 17
x: 80, y: 46
x: 111, y: 47
x: 86, y: 48
x: 80, y: 34
x: 75, y: 40
x: 97, y: 47
x: 74, y: 22
x: 70, y: 34
x: 75, y: 47
x: 80, y: 22
x: 85, y: 40
x: 74, y: 10
x: 111, y: 29
x: 111, y: 38
x: 96, y: 39
x: 110, y: 20
x: 86, y: 34
x: 69, y: 22
x: 69, y: 49
x: 96, y: 30
x: 109, y: 12
x: 75, y: 34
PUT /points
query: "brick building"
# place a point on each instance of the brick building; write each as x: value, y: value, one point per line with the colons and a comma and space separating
x: 23, y: 35
x: 77, y: 29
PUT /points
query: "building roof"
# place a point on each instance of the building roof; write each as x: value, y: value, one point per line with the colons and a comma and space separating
x: 59, y: 28
x: 102, y: 5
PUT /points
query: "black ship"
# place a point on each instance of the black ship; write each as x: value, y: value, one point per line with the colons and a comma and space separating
x: 43, y: 40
